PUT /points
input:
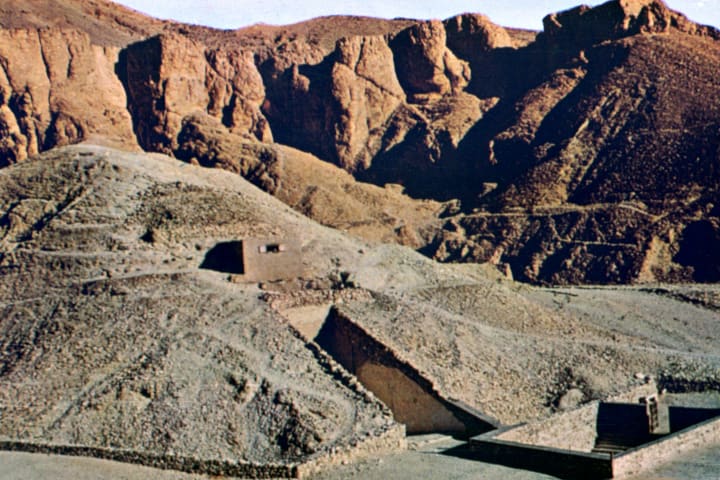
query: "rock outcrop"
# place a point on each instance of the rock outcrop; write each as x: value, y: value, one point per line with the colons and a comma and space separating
x: 424, y: 63
x: 471, y: 34
x: 108, y: 24
x: 56, y: 88
x: 366, y: 92
x: 170, y: 77
x: 488, y: 49
x: 607, y: 108
x: 584, y: 25
x: 353, y: 109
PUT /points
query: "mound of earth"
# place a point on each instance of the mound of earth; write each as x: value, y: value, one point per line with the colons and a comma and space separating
x: 113, y: 338
x: 515, y: 354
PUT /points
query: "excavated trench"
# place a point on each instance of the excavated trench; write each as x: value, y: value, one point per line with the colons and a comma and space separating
x: 410, y: 396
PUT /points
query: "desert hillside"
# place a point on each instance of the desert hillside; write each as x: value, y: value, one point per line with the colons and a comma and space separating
x: 274, y: 251
x: 123, y: 335
x: 112, y: 338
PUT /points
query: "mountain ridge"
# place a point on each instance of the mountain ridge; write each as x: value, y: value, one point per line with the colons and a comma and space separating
x: 460, y: 110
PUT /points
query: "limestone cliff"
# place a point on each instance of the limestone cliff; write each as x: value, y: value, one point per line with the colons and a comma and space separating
x: 169, y: 77
x: 610, y: 107
x: 56, y: 88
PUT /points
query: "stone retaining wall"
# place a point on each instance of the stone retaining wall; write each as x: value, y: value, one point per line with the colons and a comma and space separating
x: 412, y: 397
x: 392, y: 440
x: 166, y: 462
x: 553, y: 461
x: 651, y: 455
x: 574, y: 430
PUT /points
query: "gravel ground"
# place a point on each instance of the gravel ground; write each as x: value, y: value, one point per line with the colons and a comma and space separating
x: 29, y: 466
x: 428, y: 462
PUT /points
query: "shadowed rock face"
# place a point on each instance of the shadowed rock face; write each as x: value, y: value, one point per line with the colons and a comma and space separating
x: 610, y: 108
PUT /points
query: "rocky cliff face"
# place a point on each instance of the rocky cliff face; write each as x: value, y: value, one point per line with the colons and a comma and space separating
x: 617, y: 125
x: 613, y: 20
x: 170, y: 77
x: 607, y: 109
x: 43, y: 76
x: 338, y: 108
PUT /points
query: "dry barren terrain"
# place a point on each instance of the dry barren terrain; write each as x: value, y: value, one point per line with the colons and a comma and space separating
x: 275, y: 251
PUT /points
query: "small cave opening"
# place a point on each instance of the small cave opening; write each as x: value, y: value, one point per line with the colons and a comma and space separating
x: 225, y: 257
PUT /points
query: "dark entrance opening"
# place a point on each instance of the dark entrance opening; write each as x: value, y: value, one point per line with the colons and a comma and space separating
x: 226, y: 257
x: 272, y: 248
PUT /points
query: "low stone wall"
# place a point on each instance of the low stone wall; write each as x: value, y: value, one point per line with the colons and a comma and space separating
x: 651, y: 455
x: 574, y: 430
x: 519, y: 447
x: 392, y: 441
x: 226, y: 468
x: 552, y: 461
